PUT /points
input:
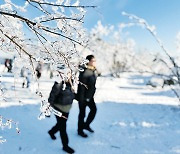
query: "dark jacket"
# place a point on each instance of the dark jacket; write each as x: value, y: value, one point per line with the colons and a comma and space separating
x: 86, y: 78
x: 60, y: 96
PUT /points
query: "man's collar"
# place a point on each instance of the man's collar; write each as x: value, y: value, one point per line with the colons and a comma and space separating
x: 91, y: 67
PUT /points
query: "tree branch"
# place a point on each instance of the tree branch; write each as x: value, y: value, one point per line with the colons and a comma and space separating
x: 66, y: 6
x: 56, y: 18
x: 19, y: 17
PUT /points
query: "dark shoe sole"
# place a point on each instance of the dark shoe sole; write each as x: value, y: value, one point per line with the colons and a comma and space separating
x: 52, y: 136
x: 68, y: 150
x: 89, y: 129
x: 83, y: 135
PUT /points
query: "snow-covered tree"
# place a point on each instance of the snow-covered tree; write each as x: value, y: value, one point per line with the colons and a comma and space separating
x: 43, y: 31
x: 109, y: 47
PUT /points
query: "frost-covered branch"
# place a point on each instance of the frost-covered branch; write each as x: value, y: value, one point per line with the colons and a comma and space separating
x: 151, y: 29
x: 52, y: 24
x: 174, y: 67
x: 7, y: 123
x: 41, y: 2
x: 15, y: 15
x: 44, y: 32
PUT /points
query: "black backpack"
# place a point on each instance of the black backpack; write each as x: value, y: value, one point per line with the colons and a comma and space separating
x: 65, y: 96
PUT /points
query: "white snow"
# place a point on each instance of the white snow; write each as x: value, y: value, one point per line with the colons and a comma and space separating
x: 132, y: 118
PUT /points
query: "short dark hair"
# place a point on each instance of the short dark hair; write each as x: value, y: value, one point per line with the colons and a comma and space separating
x: 89, y: 57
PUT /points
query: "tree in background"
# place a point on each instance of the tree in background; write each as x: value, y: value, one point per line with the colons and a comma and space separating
x: 118, y: 55
x: 169, y: 68
x: 114, y: 54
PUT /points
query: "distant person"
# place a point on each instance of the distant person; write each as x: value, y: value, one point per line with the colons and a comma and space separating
x: 85, y: 96
x: 39, y: 70
x: 26, y: 74
x: 8, y: 65
x: 61, y: 98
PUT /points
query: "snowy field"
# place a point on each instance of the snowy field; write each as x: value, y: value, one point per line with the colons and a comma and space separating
x: 132, y: 118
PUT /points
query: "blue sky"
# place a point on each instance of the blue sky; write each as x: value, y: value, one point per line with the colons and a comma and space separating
x: 164, y: 14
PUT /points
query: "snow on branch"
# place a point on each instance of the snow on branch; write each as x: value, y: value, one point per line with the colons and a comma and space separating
x: 41, y: 2
x: 44, y: 32
x: 51, y: 24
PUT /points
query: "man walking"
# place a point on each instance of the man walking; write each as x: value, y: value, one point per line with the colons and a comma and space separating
x: 85, y: 95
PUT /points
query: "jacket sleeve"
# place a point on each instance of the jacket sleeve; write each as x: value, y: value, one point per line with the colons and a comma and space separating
x: 54, y: 92
x: 89, y: 93
x: 82, y: 89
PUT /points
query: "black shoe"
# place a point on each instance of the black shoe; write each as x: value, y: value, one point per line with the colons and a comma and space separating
x: 82, y: 134
x: 68, y: 149
x: 51, y: 135
x: 89, y: 129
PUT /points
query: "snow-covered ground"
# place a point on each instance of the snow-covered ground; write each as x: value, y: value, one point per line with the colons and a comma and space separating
x: 132, y: 118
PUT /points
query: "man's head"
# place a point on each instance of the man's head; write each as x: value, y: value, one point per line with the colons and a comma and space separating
x: 92, y: 60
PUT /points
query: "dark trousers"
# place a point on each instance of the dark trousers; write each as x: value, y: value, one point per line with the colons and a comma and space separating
x: 82, y: 114
x: 61, y: 126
